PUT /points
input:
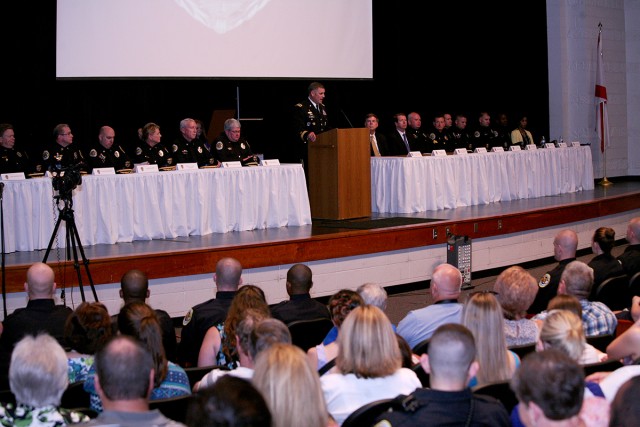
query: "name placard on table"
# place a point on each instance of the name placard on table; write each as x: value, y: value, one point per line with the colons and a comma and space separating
x: 103, y: 171
x: 439, y: 153
x: 515, y: 148
x: 187, y: 166
x: 549, y: 145
x: 497, y: 149
x: 270, y: 162
x: 531, y: 147
x: 460, y: 151
x: 13, y: 176
x: 235, y: 164
x: 480, y: 150
x: 414, y: 154
x: 146, y: 168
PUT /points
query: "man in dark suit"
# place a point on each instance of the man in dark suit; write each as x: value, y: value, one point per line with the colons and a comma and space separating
x: 630, y: 258
x: 377, y: 141
x: 300, y: 305
x: 397, y: 140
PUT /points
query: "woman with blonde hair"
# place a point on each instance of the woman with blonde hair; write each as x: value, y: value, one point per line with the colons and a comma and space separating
x: 369, y: 364
x: 516, y: 289
x: 482, y: 314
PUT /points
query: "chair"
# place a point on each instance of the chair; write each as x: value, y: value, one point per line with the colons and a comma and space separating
x: 601, y: 341
x: 422, y: 347
x: 309, y: 333
x: 523, y: 350
x: 634, y: 285
x: 500, y: 390
x: 606, y: 366
x: 614, y: 292
x: 423, y: 376
x: 623, y: 325
x: 75, y: 396
x: 367, y: 414
x: 173, y: 407
x: 7, y: 396
x: 195, y: 373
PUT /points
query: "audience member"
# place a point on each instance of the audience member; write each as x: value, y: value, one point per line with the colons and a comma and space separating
x: 630, y: 258
x: 340, y: 305
x: 369, y: 364
x: 625, y: 410
x: 397, y: 139
x: 418, y: 325
x: 38, y: 378
x: 550, y: 388
x: 459, y: 135
x: 124, y: 380
x: 61, y: 153
x: 188, y: 149
x: 310, y: 118
x: 451, y: 363
x: 439, y: 136
x: 12, y: 159
x: 300, y: 305
x: 231, y: 147
x: 107, y: 154
x: 230, y: 402
x: 151, y: 151
x: 87, y: 329
x: 198, y: 320
x: 562, y: 330
x: 40, y: 315
x: 219, y: 344
x: 515, y: 291
x: 484, y: 135
x: 565, y: 245
x: 577, y: 280
x: 418, y: 140
x: 201, y: 134
x: 482, y: 315
x: 604, y: 264
x: 139, y: 321
x: 134, y: 286
x: 521, y: 135
x: 377, y: 140
x: 290, y: 387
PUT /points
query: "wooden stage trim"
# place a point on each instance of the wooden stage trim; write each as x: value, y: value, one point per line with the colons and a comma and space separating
x: 336, y: 245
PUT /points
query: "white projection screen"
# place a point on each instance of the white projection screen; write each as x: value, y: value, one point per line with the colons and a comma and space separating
x: 214, y: 39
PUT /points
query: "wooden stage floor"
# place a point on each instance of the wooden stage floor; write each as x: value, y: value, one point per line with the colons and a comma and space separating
x: 259, y: 248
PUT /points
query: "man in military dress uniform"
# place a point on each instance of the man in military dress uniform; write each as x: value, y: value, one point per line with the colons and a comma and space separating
x: 188, y: 149
x: 11, y: 160
x: 309, y: 119
x: 229, y: 146
x: 62, y: 154
x: 484, y: 135
x: 459, y: 135
x: 438, y: 136
x: 107, y: 155
x: 151, y: 150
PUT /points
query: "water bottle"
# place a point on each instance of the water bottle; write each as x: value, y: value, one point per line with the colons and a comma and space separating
x: 542, y: 142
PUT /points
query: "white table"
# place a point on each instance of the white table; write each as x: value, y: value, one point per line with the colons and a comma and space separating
x: 158, y: 205
x: 418, y: 184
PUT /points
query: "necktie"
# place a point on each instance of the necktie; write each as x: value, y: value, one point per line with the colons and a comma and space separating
x: 406, y: 142
x: 374, y: 146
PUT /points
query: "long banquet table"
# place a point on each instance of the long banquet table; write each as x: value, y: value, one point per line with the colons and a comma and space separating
x: 157, y: 205
x: 418, y: 184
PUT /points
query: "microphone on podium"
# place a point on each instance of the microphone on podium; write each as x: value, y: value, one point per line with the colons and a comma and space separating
x: 346, y: 117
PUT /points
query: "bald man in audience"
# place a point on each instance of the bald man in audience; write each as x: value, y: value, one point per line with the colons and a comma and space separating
x: 565, y: 245
x: 40, y: 314
x: 630, y: 258
x: 419, y: 325
x: 300, y: 305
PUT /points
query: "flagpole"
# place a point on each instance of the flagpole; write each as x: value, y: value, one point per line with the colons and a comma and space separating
x: 603, y: 133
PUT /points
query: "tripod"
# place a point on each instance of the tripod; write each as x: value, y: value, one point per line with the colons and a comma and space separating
x: 72, y: 241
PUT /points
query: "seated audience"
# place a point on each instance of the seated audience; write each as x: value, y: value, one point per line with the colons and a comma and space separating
x: 219, y: 344
x: 451, y: 363
x: 87, y: 329
x: 230, y: 402
x: 604, y: 264
x: 625, y: 410
x: 290, y: 387
x: 124, y: 379
x: 482, y: 315
x: 515, y: 290
x: 38, y: 378
x: 626, y: 346
x: 630, y: 258
x: 369, y: 364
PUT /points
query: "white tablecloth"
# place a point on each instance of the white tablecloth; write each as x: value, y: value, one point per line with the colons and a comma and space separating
x: 123, y: 208
x: 418, y: 184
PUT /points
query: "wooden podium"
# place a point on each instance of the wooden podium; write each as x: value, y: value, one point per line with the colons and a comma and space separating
x: 340, y: 174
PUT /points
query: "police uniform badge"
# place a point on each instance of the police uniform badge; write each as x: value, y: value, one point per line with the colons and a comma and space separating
x: 160, y: 153
x: 45, y: 155
x: 432, y: 136
x: 93, y: 153
x: 116, y: 153
x: 476, y: 134
x: 174, y: 147
x: 199, y: 149
x: 544, y: 281
x: 219, y: 145
x: 242, y: 145
x: 19, y: 154
x: 138, y: 151
x: 187, y: 317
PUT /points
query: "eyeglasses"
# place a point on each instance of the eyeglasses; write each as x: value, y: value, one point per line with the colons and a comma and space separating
x: 65, y: 134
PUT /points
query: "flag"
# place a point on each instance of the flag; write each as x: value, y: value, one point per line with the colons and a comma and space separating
x: 602, y: 119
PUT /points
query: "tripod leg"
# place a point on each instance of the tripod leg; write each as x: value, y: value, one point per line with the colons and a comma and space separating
x: 71, y: 245
x: 85, y: 261
x: 53, y: 237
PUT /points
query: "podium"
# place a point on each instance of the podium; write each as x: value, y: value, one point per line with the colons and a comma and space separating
x: 340, y: 174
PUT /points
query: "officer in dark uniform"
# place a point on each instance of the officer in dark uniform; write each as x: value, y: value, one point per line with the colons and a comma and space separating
x: 418, y: 139
x: 229, y: 146
x: 12, y: 160
x: 458, y: 134
x: 484, y: 135
x: 203, y: 316
x: 150, y: 150
x: 309, y: 119
x: 62, y: 154
x: 189, y: 149
x: 503, y: 132
x: 438, y: 136
x: 107, y: 155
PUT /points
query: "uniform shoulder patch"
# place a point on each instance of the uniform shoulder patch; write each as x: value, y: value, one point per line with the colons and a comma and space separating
x: 544, y: 280
x: 174, y: 147
x: 45, y: 155
x: 93, y: 153
x: 299, y: 105
x: 187, y: 317
x: 138, y: 151
x: 219, y: 145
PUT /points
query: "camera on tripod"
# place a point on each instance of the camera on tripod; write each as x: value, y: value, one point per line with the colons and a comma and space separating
x: 66, y: 179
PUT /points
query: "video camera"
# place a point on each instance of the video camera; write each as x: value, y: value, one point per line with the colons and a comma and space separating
x: 66, y: 179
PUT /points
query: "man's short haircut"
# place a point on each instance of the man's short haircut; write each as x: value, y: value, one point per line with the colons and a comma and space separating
x: 578, y: 279
x: 314, y: 86
x: 553, y: 381
x: 373, y: 294
x: 266, y: 333
x: 123, y: 367
x: 232, y: 123
x: 229, y: 402
x: 134, y: 285
x: 300, y: 277
x: 625, y: 410
x: 452, y: 349
x: 566, y: 302
x: 516, y: 289
x: 38, y: 371
x: 228, y: 273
